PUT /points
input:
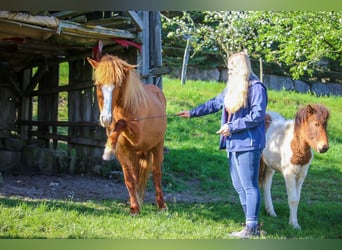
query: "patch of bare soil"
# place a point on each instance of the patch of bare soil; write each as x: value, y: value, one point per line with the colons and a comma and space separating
x: 84, y: 187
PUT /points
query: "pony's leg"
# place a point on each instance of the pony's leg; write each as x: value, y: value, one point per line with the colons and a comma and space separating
x: 158, y: 156
x: 292, y: 197
x: 299, y: 180
x: 128, y: 161
x: 267, y: 184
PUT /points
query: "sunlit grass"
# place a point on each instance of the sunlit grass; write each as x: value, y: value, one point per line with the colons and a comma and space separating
x: 195, y: 164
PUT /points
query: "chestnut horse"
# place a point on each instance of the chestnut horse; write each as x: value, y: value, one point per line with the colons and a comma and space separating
x: 289, y: 145
x: 125, y: 105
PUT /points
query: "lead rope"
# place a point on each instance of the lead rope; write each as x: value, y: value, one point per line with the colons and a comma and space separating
x: 152, y: 117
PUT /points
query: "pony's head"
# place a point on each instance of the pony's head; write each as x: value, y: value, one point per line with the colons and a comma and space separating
x: 312, y: 121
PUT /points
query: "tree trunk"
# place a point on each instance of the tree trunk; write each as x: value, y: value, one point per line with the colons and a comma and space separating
x: 185, y: 60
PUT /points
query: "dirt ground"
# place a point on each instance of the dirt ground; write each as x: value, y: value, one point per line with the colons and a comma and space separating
x: 83, y: 188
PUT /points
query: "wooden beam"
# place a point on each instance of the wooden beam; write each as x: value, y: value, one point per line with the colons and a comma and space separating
x: 82, y: 85
x: 93, y: 142
x: 35, y: 79
x: 68, y: 14
x: 92, y: 31
x: 137, y: 20
x: 59, y: 123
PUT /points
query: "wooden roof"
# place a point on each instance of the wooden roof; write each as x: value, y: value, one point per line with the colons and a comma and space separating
x: 29, y: 38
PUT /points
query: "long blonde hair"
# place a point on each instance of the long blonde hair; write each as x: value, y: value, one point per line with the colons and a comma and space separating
x: 239, y: 70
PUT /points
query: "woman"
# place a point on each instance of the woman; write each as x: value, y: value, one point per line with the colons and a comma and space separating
x: 242, y: 133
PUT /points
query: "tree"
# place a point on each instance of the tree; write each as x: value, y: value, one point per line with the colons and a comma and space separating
x: 300, y: 42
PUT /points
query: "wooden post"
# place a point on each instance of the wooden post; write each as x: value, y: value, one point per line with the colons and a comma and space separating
x: 48, y: 104
x: 144, y: 58
x: 25, y: 110
x: 155, y: 45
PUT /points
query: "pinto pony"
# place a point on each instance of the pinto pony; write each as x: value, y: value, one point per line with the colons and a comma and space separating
x: 289, y: 145
x: 124, y: 101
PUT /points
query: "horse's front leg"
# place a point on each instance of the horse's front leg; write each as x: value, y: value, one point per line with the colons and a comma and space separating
x: 292, y: 197
x: 127, y: 161
x: 158, y: 156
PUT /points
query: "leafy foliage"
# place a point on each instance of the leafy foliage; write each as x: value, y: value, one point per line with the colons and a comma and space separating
x: 301, y: 42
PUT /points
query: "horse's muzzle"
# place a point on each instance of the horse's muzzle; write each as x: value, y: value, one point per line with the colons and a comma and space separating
x: 105, y: 120
x: 322, y: 149
x: 108, y: 156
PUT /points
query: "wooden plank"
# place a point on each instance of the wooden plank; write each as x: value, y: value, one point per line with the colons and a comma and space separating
x: 92, y: 31
x: 79, y: 141
x: 139, y: 23
x: 10, y: 29
x: 82, y: 85
x: 59, y: 123
x: 68, y: 14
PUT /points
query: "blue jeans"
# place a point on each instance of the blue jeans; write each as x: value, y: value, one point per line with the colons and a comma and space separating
x: 244, y: 170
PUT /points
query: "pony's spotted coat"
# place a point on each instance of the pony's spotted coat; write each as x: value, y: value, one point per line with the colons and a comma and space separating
x: 289, y: 145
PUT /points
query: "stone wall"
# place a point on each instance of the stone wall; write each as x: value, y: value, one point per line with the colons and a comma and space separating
x: 271, y: 81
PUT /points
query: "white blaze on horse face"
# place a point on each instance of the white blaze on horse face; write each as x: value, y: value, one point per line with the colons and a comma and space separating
x: 106, y: 113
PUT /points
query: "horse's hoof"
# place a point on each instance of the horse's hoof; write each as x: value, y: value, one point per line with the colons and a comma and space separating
x: 272, y: 213
x: 134, y: 212
x: 163, y: 209
x: 295, y: 226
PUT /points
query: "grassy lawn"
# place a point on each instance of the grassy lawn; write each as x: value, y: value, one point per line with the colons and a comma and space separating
x: 194, y: 158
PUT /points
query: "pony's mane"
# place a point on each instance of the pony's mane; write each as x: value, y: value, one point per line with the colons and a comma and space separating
x: 303, y: 113
x: 112, y: 69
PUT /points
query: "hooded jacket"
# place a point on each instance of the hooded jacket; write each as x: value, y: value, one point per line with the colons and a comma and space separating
x: 247, y: 125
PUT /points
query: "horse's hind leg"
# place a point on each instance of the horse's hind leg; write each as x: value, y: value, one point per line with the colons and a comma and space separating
x: 267, y: 184
x: 143, y: 170
x: 157, y: 160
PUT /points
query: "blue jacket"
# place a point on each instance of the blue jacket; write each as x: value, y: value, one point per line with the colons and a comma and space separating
x: 247, y: 125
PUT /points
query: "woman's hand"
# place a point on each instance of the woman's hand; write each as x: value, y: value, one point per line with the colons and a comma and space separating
x: 224, y: 130
x: 184, y: 114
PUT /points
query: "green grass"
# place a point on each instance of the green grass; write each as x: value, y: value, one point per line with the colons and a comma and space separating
x: 194, y: 158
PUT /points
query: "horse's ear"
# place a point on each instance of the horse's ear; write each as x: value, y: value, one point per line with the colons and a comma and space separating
x: 92, y: 62
x: 310, y: 110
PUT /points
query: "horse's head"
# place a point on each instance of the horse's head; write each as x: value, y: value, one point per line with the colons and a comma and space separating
x: 312, y: 121
x: 110, y: 74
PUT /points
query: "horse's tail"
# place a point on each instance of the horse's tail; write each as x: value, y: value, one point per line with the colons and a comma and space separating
x: 145, y: 166
x: 268, y: 120
x: 262, y: 171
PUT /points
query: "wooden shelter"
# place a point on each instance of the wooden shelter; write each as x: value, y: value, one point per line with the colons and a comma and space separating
x: 43, y: 70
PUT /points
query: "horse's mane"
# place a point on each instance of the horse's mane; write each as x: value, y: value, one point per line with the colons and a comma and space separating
x: 134, y: 95
x: 303, y: 113
x: 112, y: 69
